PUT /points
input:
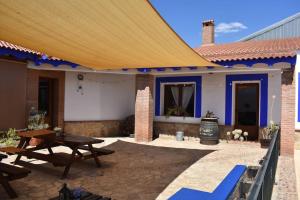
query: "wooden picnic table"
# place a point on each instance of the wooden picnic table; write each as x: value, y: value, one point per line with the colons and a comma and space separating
x: 74, y: 142
x: 77, y: 143
x: 9, y: 173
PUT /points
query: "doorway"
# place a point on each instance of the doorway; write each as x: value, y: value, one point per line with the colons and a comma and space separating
x: 48, y: 100
x: 247, y: 109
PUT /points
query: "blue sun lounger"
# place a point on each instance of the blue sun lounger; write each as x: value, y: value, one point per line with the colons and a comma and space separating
x: 222, y: 192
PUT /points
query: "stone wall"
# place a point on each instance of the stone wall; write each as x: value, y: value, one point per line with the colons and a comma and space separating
x: 107, y: 128
x: 189, y: 129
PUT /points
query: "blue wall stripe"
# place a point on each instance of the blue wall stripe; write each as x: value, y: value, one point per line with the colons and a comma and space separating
x: 263, y: 78
x: 196, y: 79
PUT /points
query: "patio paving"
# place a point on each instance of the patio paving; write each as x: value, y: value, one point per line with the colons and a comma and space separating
x: 208, y: 172
x: 285, y: 181
x: 205, y: 174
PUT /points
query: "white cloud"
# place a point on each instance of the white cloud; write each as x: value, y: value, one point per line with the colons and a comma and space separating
x: 232, y: 27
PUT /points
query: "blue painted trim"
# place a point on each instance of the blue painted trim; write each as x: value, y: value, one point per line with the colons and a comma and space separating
x: 230, y: 64
x: 196, y: 79
x: 16, y: 54
x: 160, y: 69
x: 221, y: 192
x: 263, y: 78
x: 193, y: 68
x: 250, y: 63
x: 144, y: 70
x: 298, y: 120
x: 176, y: 68
x: 37, y: 59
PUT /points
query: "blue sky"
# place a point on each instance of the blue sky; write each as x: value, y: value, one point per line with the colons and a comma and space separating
x: 234, y: 19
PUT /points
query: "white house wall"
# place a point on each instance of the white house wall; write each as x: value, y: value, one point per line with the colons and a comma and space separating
x: 103, y: 96
x: 112, y: 96
x: 213, y: 95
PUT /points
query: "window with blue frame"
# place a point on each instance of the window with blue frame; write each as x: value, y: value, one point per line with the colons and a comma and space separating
x: 179, y: 100
x: 178, y: 96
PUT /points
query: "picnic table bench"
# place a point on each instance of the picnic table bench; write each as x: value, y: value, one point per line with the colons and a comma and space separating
x: 74, y: 142
x: 9, y: 173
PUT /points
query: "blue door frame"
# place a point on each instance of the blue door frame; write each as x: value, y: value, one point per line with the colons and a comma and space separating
x: 263, y: 78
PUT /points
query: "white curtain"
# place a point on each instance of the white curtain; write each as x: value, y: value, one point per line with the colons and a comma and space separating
x: 186, y: 95
x: 175, y: 93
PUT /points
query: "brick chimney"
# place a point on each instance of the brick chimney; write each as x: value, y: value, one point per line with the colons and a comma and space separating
x: 208, y: 32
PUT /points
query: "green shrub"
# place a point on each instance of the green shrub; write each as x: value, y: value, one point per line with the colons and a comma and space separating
x: 9, y: 138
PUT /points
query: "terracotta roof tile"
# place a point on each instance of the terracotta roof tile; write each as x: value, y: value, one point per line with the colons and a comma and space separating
x: 225, y: 52
x: 250, y: 50
x: 16, y: 47
x: 8, y: 45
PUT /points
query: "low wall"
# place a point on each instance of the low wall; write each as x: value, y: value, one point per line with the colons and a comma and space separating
x: 107, y: 128
x: 189, y: 129
x: 112, y: 128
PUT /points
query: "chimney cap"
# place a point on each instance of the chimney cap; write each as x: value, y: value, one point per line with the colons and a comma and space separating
x: 208, y: 22
x: 208, y: 32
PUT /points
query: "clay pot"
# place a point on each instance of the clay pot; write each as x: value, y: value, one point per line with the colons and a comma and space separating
x: 264, y: 143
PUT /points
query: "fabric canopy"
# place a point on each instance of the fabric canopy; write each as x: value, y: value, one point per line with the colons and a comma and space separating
x: 101, y: 34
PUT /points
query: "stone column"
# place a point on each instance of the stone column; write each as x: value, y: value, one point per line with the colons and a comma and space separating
x: 143, y: 129
x: 287, y: 112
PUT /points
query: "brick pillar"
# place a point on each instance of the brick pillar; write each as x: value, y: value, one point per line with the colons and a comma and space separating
x: 287, y: 112
x: 144, y: 109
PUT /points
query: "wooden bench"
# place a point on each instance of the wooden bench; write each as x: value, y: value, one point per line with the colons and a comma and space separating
x: 222, y: 192
x: 9, y: 173
x: 98, y: 151
x: 11, y: 150
x: 2, y: 156
x: 57, y: 159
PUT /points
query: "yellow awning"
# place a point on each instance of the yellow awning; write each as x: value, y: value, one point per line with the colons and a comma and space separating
x: 102, y: 34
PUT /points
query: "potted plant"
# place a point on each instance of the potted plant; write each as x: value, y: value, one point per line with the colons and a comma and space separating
x: 36, y: 121
x: 58, y: 131
x: 238, y: 134
x: 177, y: 111
x: 267, y: 134
x: 127, y: 126
x: 210, y: 116
x: 9, y: 138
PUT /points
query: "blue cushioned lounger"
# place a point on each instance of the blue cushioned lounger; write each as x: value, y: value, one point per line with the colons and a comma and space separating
x: 190, y: 194
x: 222, y: 192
